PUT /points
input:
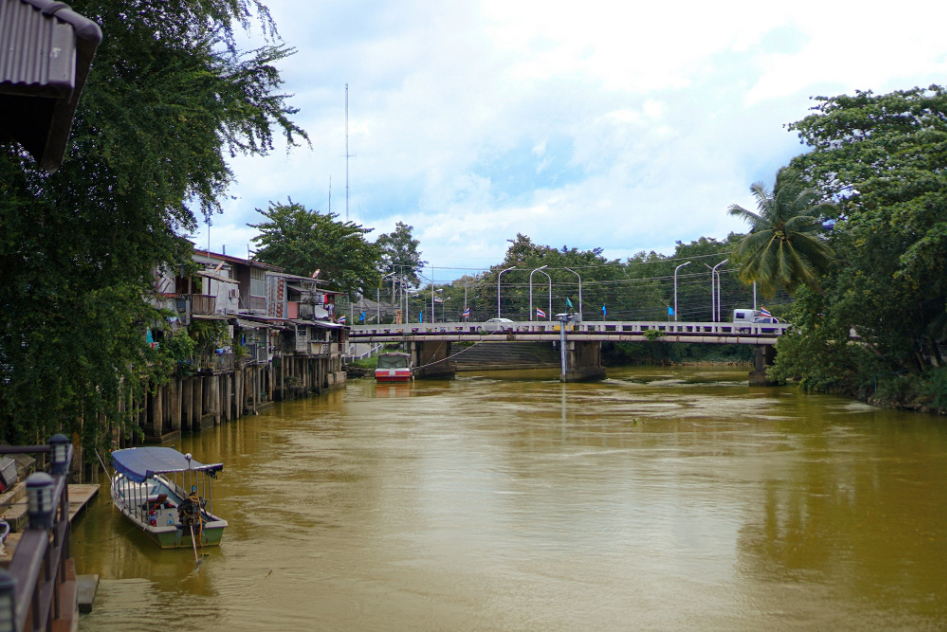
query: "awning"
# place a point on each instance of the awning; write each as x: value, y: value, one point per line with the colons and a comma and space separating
x: 139, y: 464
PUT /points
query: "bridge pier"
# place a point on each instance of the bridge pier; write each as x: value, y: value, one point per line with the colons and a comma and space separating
x: 765, y: 356
x: 584, y: 361
x: 426, y: 354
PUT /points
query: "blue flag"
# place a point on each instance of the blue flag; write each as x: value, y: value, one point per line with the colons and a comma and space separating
x: 670, y: 311
x: 362, y: 317
x: 568, y: 302
x: 420, y: 317
x: 604, y: 311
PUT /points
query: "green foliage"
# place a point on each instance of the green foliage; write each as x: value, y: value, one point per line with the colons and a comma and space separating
x: 303, y: 241
x: 785, y: 248
x: 179, y: 348
x: 208, y: 335
x: 883, y: 158
x: 167, y: 100
x: 653, y: 335
x: 399, y: 253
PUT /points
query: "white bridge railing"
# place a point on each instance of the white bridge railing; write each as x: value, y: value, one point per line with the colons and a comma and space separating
x: 603, y: 329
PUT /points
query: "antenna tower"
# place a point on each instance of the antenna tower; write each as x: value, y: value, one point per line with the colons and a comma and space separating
x: 346, y: 152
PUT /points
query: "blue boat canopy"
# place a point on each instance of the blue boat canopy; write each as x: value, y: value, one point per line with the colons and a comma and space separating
x: 139, y: 464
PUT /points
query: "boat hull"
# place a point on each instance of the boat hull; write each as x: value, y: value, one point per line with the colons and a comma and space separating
x: 393, y: 375
x: 171, y: 535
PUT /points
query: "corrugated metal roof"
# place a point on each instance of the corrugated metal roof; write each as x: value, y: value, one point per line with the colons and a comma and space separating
x: 46, y: 49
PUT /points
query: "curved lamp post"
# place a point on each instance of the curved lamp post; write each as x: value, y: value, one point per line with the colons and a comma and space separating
x: 715, y: 291
x: 540, y: 270
x: 498, y: 288
x: 580, y: 291
x: 675, y: 287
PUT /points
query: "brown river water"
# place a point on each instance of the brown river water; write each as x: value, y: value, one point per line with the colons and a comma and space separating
x: 659, y: 499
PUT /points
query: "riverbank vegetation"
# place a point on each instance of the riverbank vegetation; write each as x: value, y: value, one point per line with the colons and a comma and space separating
x: 168, y: 100
x: 876, y: 327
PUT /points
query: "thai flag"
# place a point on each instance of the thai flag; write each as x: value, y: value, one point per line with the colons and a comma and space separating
x: 341, y: 320
x: 466, y: 313
x: 764, y: 311
x: 540, y: 313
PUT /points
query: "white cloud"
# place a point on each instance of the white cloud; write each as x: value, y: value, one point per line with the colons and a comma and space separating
x: 621, y: 125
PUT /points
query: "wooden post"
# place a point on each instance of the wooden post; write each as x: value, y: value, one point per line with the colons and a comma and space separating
x: 187, y: 395
x: 256, y: 386
x: 198, y: 403
x: 225, y: 401
x: 215, y: 397
x: 175, y: 397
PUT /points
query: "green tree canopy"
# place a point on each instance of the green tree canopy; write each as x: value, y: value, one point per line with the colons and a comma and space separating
x: 168, y: 100
x: 399, y: 253
x: 883, y: 158
x: 303, y: 241
x: 785, y: 248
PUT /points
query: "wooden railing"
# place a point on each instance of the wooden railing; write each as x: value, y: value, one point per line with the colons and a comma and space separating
x: 42, y: 568
x: 203, y: 305
x: 215, y: 362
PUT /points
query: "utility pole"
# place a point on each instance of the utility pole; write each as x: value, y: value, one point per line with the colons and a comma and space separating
x: 675, y: 287
x: 346, y: 152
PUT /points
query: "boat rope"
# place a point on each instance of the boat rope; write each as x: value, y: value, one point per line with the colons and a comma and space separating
x: 111, y: 538
x: 450, y: 357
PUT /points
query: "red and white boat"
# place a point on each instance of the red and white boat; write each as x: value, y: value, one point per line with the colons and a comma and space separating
x: 394, y: 367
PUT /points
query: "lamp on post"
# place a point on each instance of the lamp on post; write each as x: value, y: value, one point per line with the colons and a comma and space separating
x: 675, y: 287
x: 7, y: 602
x: 60, y: 453
x: 716, y: 272
x: 531, y: 288
x: 41, y: 509
x: 580, y: 291
x: 498, y: 288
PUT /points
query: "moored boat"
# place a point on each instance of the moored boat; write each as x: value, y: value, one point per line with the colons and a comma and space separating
x: 394, y: 367
x: 168, y: 495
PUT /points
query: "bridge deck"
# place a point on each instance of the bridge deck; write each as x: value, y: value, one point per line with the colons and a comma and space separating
x: 546, y: 331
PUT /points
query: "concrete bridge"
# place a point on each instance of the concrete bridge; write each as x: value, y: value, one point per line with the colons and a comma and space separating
x: 429, y: 343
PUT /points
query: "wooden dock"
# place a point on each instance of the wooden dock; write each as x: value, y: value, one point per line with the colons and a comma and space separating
x: 79, y: 497
x: 13, y: 510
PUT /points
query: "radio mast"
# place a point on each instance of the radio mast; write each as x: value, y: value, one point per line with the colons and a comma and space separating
x: 346, y: 152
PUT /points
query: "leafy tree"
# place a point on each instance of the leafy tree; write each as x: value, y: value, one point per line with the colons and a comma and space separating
x: 399, y: 253
x: 882, y: 157
x: 168, y: 98
x: 785, y: 248
x: 303, y: 241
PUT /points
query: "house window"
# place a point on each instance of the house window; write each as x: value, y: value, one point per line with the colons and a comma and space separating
x: 257, y: 282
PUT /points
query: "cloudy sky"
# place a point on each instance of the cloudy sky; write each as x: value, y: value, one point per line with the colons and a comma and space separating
x: 621, y: 125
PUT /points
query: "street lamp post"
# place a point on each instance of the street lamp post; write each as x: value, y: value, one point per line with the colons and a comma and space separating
x: 498, y: 288
x: 715, y: 291
x: 433, y: 294
x: 675, y: 287
x: 531, y: 288
x: 580, y: 291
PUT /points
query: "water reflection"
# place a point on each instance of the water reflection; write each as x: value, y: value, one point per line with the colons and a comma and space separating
x: 658, y: 499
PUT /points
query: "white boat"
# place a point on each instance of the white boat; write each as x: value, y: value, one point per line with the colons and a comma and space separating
x: 168, y: 495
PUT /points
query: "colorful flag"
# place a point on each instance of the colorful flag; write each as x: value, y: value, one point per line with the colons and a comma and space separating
x: 604, y: 311
x: 362, y: 317
x: 466, y: 313
x: 568, y: 302
x: 670, y: 311
x: 341, y: 320
x: 764, y: 311
x: 540, y: 313
x: 420, y: 317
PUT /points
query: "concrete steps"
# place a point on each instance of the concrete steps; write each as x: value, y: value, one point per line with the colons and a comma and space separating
x: 507, y: 355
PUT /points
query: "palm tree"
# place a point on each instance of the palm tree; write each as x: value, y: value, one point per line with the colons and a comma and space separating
x: 785, y: 247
